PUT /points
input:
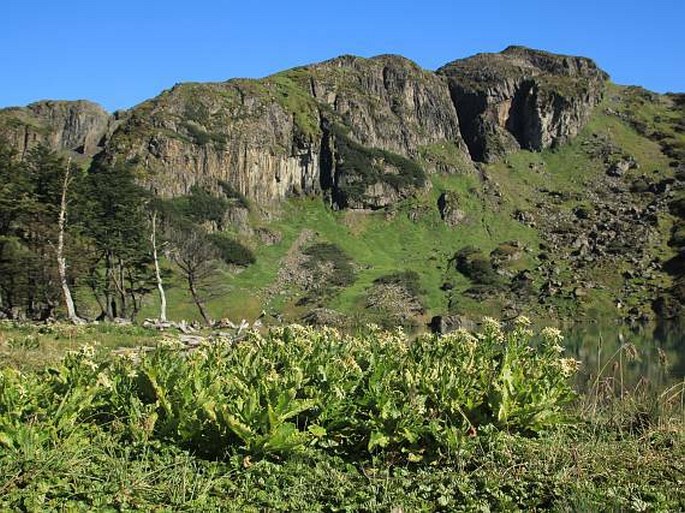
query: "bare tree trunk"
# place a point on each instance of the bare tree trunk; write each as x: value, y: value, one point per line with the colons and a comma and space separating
x: 61, y: 260
x: 198, y: 301
x: 158, y: 274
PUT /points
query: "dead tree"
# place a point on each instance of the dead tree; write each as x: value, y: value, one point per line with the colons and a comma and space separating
x: 61, y: 259
x: 158, y: 274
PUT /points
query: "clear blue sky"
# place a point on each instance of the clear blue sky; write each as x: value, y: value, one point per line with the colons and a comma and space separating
x: 120, y: 52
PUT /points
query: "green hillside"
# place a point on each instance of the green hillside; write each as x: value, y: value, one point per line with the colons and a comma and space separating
x: 516, y: 207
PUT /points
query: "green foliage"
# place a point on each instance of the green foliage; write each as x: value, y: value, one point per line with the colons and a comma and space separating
x: 232, y: 251
x: 295, y: 387
x: 202, y: 137
x: 114, y: 218
x: 336, y: 263
x: 199, y: 206
x: 408, y: 279
x: 30, y: 195
x: 446, y: 157
x: 297, y: 101
x: 360, y: 167
x: 472, y: 263
x: 233, y: 194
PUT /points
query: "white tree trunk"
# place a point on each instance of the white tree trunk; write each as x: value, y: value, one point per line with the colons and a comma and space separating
x: 158, y: 274
x: 61, y: 260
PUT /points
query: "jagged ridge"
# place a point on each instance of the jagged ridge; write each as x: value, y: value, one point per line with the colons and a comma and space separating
x: 274, y: 137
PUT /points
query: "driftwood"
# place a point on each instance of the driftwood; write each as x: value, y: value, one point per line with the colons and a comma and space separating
x: 189, y: 329
x: 191, y: 339
x: 157, y: 324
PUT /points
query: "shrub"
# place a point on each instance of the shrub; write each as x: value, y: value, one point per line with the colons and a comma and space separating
x: 473, y: 264
x: 677, y: 205
x: 232, y: 251
x: 329, y: 255
x: 202, y: 137
x: 199, y: 206
x: 232, y: 193
x: 361, y: 167
x: 408, y: 279
x: 295, y: 387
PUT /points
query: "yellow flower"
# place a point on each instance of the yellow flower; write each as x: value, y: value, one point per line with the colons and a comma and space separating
x: 552, y: 335
x: 522, y: 321
x: 351, y: 364
x: 464, y: 337
x: 87, y: 351
x: 492, y: 324
x: 492, y: 328
x: 569, y: 366
x: 90, y: 364
x: 104, y: 381
x: 272, y: 375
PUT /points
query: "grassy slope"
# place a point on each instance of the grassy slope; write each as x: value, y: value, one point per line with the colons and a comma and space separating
x: 383, y: 242
x: 34, y: 347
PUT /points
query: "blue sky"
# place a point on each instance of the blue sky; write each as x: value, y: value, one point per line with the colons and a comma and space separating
x: 120, y: 52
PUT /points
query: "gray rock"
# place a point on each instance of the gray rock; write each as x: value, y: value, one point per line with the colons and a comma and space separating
x: 448, y: 205
x: 78, y: 126
x: 445, y: 324
x: 522, y: 98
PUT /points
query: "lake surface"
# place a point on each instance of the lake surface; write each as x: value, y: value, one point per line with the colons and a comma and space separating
x: 625, y: 358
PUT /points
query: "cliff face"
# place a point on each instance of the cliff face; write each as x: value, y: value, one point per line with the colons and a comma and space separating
x: 61, y: 125
x: 522, y: 98
x: 265, y: 137
x: 387, y: 102
x: 235, y: 132
x: 360, y: 131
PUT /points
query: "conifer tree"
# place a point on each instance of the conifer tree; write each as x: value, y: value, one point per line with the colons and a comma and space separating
x: 114, y: 212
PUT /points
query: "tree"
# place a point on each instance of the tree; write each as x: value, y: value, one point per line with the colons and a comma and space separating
x: 43, y: 169
x: 115, y: 220
x: 13, y: 191
x: 158, y: 274
x: 197, y: 258
x: 61, y: 259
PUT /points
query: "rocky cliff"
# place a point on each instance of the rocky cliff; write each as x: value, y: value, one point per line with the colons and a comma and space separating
x: 594, y: 228
x: 522, y: 98
x: 279, y: 136
x: 79, y: 126
x: 364, y: 132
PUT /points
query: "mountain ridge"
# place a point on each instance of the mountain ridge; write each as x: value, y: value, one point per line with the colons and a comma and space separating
x: 417, y: 107
x: 521, y: 181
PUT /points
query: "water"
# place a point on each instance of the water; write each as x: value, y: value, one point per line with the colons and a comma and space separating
x: 625, y: 358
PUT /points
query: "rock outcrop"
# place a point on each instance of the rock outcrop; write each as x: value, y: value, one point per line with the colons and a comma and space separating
x: 362, y: 132
x: 448, y: 205
x: 388, y: 102
x: 522, y: 98
x: 204, y: 134
x: 272, y: 138
x: 78, y: 126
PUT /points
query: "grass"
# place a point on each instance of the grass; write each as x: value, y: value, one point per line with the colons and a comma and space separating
x: 569, y: 472
x: 615, y: 451
x: 410, y: 236
x: 27, y: 346
x: 294, y: 98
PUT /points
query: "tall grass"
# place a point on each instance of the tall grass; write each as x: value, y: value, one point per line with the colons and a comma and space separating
x: 610, y: 397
